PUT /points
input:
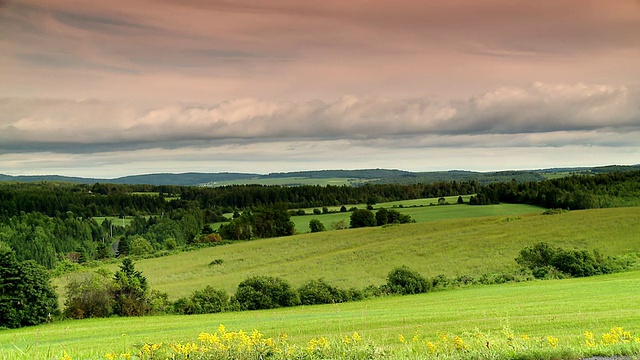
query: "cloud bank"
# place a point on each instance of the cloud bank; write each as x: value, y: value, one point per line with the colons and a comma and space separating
x: 537, y: 115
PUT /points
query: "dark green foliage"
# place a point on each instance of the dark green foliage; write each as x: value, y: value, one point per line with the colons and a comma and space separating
x: 319, y: 292
x: 362, y: 218
x: 273, y: 222
x: 26, y: 294
x: 460, y: 200
x: 216, y: 262
x: 89, y: 295
x: 265, y: 292
x: 384, y: 217
x: 206, y: 301
x: 130, y: 291
x: 317, y: 211
x: 102, y: 251
x: 403, y: 280
x: 546, y: 261
x: 123, y: 246
x: 343, y: 208
x: 596, y: 190
x: 316, y: 225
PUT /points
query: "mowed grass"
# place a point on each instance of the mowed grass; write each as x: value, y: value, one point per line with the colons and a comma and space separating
x: 362, y: 257
x: 424, y: 213
x: 560, y: 308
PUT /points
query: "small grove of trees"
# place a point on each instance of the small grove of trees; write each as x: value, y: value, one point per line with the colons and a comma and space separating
x: 384, y: 217
x: 263, y: 222
x: 97, y: 294
x: 26, y: 294
x: 365, y: 218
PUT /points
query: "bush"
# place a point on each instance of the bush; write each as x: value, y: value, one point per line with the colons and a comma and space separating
x: 265, y: 292
x: 206, y: 301
x: 362, y: 218
x: 319, y: 292
x: 89, y: 295
x: 545, y: 261
x: 403, y: 280
x: 316, y: 225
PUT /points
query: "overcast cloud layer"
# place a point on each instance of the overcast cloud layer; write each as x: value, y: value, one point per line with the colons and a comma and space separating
x: 126, y: 87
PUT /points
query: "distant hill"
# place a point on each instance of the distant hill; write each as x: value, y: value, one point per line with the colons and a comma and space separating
x: 375, y: 176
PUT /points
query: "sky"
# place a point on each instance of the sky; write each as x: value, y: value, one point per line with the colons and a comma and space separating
x: 123, y: 87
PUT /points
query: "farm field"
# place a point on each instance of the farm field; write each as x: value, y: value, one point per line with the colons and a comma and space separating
x: 425, y: 213
x: 290, y: 181
x: 560, y: 308
x: 362, y: 257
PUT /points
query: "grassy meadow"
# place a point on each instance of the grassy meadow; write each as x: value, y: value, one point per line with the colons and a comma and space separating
x: 361, y: 257
x: 422, y: 213
x: 291, y: 181
x: 562, y: 309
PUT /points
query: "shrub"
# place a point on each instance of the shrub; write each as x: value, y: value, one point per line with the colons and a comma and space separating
x: 316, y: 225
x: 403, y: 280
x: 265, y: 292
x: 319, y: 292
x: 210, y: 238
x: 89, y: 295
x: 206, y: 301
x: 362, y: 218
x: 549, y: 262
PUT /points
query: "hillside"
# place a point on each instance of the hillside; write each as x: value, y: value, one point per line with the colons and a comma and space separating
x: 380, y: 176
x: 361, y: 257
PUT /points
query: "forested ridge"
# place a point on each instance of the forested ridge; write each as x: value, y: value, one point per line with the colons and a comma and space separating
x: 49, y: 222
x: 604, y: 190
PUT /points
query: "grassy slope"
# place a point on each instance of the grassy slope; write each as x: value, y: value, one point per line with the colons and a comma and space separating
x: 562, y: 308
x: 361, y: 257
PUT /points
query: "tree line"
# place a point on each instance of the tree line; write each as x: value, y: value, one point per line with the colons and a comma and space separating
x: 576, y: 192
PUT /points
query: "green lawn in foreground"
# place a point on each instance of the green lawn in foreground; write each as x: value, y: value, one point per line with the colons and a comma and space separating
x: 561, y: 308
x: 361, y: 257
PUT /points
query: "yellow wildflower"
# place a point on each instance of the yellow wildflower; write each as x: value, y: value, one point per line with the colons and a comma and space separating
x: 401, y: 338
x: 551, y: 341
x: 356, y: 337
x: 458, y: 343
x: 589, y: 339
x: 65, y: 356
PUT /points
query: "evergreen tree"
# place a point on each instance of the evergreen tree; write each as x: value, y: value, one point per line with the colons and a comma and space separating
x: 26, y: 294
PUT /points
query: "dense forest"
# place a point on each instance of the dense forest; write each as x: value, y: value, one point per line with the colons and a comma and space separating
x: 49, y: 222
x: 613, y: 189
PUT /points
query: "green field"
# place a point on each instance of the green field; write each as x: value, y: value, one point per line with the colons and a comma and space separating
x: 560, y: 308
x: 291, y: 181
x: 115, y: 220
x: 361, y: 257
x: 425, y: 213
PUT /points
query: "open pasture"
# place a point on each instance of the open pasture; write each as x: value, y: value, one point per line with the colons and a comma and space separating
x: 421, y: 213
x: 362, y: 257
x: 560, y: 308
x: 290, y: 181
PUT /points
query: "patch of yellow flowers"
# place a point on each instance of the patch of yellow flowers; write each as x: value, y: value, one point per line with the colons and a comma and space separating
x: 240, y: 345
x: 480, y: 345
